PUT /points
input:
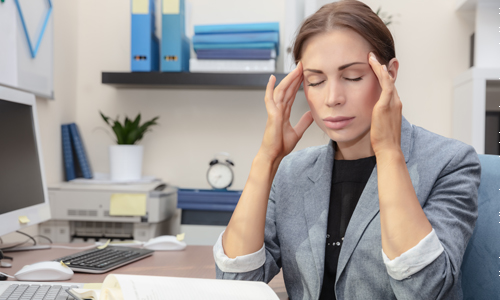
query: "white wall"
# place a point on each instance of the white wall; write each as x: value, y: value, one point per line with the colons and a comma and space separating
x: 92, y: 36
x: 195, y: 124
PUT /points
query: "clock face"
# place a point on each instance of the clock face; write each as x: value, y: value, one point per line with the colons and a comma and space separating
x: 220, y: 176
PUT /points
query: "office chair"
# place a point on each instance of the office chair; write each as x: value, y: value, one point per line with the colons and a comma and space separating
x: 481, y: 264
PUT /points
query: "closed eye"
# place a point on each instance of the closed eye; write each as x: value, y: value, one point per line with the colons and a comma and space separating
x: 349, y: 79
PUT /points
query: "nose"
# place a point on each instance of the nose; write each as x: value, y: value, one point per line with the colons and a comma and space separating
x: 335, y: 94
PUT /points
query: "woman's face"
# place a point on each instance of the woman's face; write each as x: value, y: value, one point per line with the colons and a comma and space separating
x: 339, y: 82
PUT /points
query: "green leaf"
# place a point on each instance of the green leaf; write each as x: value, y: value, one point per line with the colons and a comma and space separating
x: 118, y: 129
x: 106, y: 119
x: 132, y: 136
x: 137, y: 121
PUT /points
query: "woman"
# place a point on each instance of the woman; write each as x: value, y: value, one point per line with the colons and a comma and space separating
x: 384, y: 211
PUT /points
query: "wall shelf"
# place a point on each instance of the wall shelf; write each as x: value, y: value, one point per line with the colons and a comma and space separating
x: 187, y: 80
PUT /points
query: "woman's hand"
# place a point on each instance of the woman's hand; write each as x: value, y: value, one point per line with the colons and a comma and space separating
x: 385, y: 132
x: 280, y: 137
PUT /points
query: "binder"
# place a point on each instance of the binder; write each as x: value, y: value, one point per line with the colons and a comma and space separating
x: 236, y: 54
x: 235, y: 28
x: 258, y: 45
x: 175, y: 45
x: 80, y: 153
x: 237, y: 38
x: 145, y: 45
x: 246, y: 37
x: 69, y: 163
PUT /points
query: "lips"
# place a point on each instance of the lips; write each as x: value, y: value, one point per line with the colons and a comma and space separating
x: 337, y: 119
x: 337, y: 122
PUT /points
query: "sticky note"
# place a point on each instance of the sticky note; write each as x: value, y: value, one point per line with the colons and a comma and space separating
x: 104, y: 246
x: 171, y: 6
x: 140, y: 7
x: 180, y: 236
x: 92, y: 286
x: 24, y: 220
x: 128, y: 205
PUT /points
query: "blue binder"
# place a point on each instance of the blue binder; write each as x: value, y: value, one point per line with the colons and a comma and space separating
x: 236, y: 28
x: 175, y: 45
x: 144, y: 42
x: 235, y: 54
x: 81, y: 155
x: 69, y: 163
x: 258, y: 45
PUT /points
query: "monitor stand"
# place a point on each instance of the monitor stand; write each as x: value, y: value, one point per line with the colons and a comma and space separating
x: 26, y: 248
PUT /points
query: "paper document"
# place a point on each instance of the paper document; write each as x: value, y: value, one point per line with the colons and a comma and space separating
x: 139, y: 287
x: 103, y: 178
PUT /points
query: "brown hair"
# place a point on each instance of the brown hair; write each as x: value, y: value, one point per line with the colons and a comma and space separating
x: 350, y: 14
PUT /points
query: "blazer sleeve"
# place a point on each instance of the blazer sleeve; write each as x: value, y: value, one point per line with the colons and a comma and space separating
x: 272, y: 263
x: 451, y: 208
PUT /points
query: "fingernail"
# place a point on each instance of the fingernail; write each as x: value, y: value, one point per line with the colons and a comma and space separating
x: 372, y: 56
x: 270, y: 77
x: 385, y: 68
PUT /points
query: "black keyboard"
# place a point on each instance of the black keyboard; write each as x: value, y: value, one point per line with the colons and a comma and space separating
x: 103, y: 260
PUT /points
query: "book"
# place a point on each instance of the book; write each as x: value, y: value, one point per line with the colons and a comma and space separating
x: 69, y: 163
x: 235, y: 28
x: 232, y: 65
x: 256, y: 45
x: 145, y: 45
x: 247, y: 37
x: 236, y: 54
x: 175, y: 45
x: 82, y: 162
x: 135, y: 287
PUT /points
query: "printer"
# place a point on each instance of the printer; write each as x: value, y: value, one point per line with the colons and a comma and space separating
x: 81, y: 212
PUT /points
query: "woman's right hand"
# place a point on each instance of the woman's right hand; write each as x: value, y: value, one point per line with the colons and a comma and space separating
x: 280, y: 137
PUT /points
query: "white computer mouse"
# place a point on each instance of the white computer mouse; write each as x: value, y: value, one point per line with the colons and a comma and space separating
x: 165, y: 242
x: 44, y: 271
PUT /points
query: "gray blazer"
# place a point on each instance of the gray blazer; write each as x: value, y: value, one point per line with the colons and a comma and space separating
x: 445, y: 174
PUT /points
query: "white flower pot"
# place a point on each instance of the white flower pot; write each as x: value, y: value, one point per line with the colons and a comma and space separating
x: 125, y: 162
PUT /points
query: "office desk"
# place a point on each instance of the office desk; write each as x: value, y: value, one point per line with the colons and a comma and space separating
x: 194, y: 261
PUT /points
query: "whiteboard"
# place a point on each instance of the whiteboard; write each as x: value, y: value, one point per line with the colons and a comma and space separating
x: 18, y: 68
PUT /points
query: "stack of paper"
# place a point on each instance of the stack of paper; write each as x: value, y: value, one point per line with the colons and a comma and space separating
x: 235, y: 48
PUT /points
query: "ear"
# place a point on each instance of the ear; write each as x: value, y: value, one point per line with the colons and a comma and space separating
x: 393, y: 68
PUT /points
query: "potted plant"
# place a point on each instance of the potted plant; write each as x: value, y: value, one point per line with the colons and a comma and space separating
x: 125, y: 158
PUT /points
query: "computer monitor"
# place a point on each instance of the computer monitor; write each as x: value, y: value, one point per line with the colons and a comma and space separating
x: 23, y: 191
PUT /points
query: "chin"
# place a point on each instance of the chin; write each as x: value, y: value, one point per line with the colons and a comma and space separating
x: 344, y: 136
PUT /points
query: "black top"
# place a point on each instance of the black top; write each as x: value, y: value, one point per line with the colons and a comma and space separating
x: 349, y: 178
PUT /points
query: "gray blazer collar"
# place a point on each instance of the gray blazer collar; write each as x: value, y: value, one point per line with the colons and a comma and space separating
x: 317, y: 200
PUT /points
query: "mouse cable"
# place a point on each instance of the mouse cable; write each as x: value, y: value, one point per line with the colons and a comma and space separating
x: 34, y: 241
x: 43, y: 236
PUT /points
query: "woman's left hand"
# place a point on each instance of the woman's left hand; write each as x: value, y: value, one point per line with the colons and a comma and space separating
x: 385, y: 132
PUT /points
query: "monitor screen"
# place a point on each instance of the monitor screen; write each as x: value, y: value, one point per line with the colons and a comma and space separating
x: 23, y: 194
x: 20, y: 180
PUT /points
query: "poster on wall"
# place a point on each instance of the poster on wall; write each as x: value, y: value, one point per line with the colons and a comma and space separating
x: 26, y: 55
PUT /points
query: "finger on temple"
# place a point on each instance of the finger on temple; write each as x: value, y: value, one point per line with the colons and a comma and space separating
x: 293, y: 89
x: 289, y: 78
x: 304, y: 123
x: 290, y: 99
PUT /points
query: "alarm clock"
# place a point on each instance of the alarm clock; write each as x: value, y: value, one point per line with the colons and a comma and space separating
x: 220, y: 174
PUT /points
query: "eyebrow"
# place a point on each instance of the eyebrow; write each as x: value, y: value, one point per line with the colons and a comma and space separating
x: 340, y: 68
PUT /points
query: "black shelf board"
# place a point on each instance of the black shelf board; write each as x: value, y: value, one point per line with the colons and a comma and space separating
x: 188, y: 80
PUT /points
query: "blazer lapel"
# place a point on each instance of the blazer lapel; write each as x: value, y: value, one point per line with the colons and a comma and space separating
x: 368, y: 204
x: 316, y: 203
